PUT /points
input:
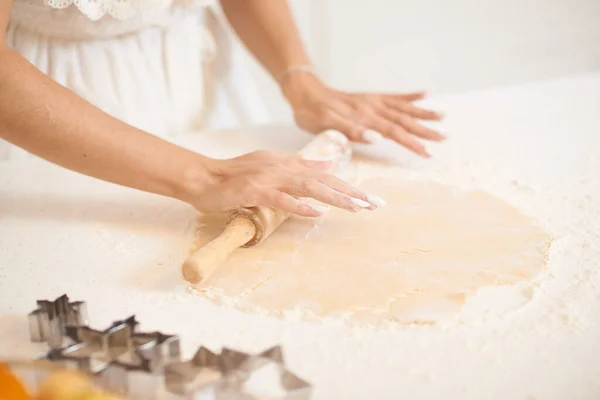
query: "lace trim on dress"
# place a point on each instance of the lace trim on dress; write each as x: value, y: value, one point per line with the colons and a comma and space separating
x: 118, y: 9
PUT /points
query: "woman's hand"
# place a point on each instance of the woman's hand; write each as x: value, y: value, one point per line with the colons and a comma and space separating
x: 265, y: 178
x: 103, y: 147
x: 362, y: 117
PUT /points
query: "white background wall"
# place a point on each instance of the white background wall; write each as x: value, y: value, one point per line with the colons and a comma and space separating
x: 444, y: 46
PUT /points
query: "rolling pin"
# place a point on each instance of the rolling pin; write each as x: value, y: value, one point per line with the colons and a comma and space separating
x: 247, y: 227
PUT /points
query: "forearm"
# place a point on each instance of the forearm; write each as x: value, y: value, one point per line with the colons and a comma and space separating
x: 48, y: 120
x: 268, y: 30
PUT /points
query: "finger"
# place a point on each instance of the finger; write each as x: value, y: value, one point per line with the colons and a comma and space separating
x: 283, y: 201
x: 312, y: 188
x: 355, y: 195
x: 413, y: 96
x: 319, y: 165
x: 349, y: 190
x: 352, y: 130
x: 411, y: 109
x: 334, y: 183
x: 410, y: 125
x: 398, y: 134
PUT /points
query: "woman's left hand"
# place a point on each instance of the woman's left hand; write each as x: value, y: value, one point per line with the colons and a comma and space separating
x: 362, y: 117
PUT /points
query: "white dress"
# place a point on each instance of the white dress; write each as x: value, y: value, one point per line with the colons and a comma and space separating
x: 164, y: 66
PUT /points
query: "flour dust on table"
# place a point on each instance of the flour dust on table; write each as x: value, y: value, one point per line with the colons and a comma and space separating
x: 121, y: 250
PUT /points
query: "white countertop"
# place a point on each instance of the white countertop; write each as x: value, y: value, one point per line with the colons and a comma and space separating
x: 536, y: 146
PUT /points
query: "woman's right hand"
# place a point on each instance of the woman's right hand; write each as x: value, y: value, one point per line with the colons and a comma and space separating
x: 74, y: 134
x: 266, y: 178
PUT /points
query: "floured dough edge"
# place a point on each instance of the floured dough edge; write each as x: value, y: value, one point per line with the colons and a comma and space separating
x: 525, y: 289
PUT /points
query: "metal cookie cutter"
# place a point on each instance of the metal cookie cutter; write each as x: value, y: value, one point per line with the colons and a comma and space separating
x: 118, y: 352
x: 203, y: 369
x: 144, y: 364
x: 47, y: 323
x: 265, y: 376
x: 235, y: 375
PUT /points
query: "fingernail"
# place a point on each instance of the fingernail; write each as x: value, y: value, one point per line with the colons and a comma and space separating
x: 360, y: 203
x: 319, y: 208
x: 376, y: 200
x: 371, y: 136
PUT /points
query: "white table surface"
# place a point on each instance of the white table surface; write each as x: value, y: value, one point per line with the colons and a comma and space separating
x: 537, y: 146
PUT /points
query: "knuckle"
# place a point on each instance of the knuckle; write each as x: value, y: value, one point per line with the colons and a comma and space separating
x: 307, y: 185
x: 411, y: 143
x: 252, y: 199
x: 403, y: 118
x: 361, y: 119
x: 326, y: 114
x: 402, y: 139
x: 364, y: 110
x: 397, y: 132
x: 335, y: 199
x: 267, y: 173
x: 279, y: 198
x: 355, y: 131
x: 255, y: 175
x: 402, y: 105
x: 252, y: 192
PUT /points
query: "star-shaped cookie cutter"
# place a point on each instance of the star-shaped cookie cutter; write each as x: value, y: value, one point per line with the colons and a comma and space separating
x: 47, y: 323
x: 116, y: 352
x: 270, y: 366
x: 120, y: 353
x: 203, y: 369
x: 233, y: 375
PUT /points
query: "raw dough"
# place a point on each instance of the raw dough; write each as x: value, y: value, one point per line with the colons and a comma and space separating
x: 413, y: 261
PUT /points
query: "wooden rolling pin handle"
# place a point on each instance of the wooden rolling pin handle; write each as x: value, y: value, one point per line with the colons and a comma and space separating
x: 201, y: 265
x: 249, y: 226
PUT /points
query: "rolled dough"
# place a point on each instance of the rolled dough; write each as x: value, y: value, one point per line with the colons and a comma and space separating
x: 413, y: 261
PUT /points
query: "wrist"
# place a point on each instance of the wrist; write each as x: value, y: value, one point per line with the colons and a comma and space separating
x: 298, y: 85
x: 194, y: 178
x: 294, y: 69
